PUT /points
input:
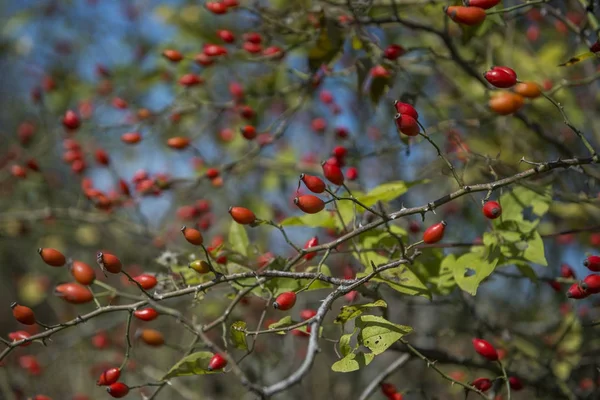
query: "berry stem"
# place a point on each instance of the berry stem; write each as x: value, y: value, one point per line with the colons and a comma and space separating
x: 505, y: 377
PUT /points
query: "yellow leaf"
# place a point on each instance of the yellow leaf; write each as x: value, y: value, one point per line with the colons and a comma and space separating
x: 577, y: 59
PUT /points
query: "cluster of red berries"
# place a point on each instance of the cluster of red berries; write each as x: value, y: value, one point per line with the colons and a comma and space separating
x: 590, y: 284
x: 406, y: 119
x: 489, y: 352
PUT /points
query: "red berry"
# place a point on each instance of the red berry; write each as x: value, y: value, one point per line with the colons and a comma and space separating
x: 405, y: 108
x: 172, y: 55
x: 248, y: 132
x: 101, y: 157
x: 18, y: 171
x: 193, y: 236
x: 18, y: 336
x: 485, y: 348
x: 285, y: 301
x: 309, y: 204
x: 466, y: 15
x: 592, y: 263
x: 119, y: 103
x: 318, y: 125
x: 515, y: 383
x: 118, y: 390
x: 253, y: 37
x: 333, y: 173
x: 82, y: 273
x: 25, y: 132
x: 109, y: 377
x: 178, y: 143
x: 273, y: 52
x: 379, y: 71
x: 226, y: 35
x: 52, y: 257
x: 33, y: 165
x: 388, y: 389
x: 242, y: 215
x: 595, y: 48
x: 591, y: 284
x: 307, y: 314
x: 71, y: 120
x: 151, y: 337
x: 339, y: 152
x: 217, y: 362
x: 566, y: 271
x: 212, y: 173
x: 577, y: 292
x: 434, y: 233
x: 214, y: 50
x: 501, y: 77
x: 313, y: 183
x: 555, y: 285
x: 393, y: 51
x: 73, y: 293
x: 146, y: 281
x: 483, y: 384
x: 100, y: 340
x: 407, y: 124
x: 246, y: 112
x: 326, y: 96
x: 189, y: 80
x: 216, y: 7
x: 485, y: 4
x: 352, y: 174
x: 492, y: 209
x: 23, y: 314
x: 109, y: 262
x: 31, y: 364
x: 312, y: 242
x: 146, y: 314
x: 252, y: 48
x: 131, y: 137
x: 203, y: 60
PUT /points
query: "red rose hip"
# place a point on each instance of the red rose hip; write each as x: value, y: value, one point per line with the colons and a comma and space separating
x: 492, y: 209
x: 285, y: 301
x: 434, y: 233
x: 485, y: 349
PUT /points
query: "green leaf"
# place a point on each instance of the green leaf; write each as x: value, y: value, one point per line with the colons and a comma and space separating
x: 514, y: 202
x: 378, y: 334
x: 403, y: 280
x: 194, y: 364
x: 352, y: 362
x: 282, y: 323
x: 520, y: 242
x: 237, y: 333
x: 387, y: 192
x: 438, y: 271
x: 344, y: 343
x: 350, y: 312
x: 471, y: 269
x: 238, y: 239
